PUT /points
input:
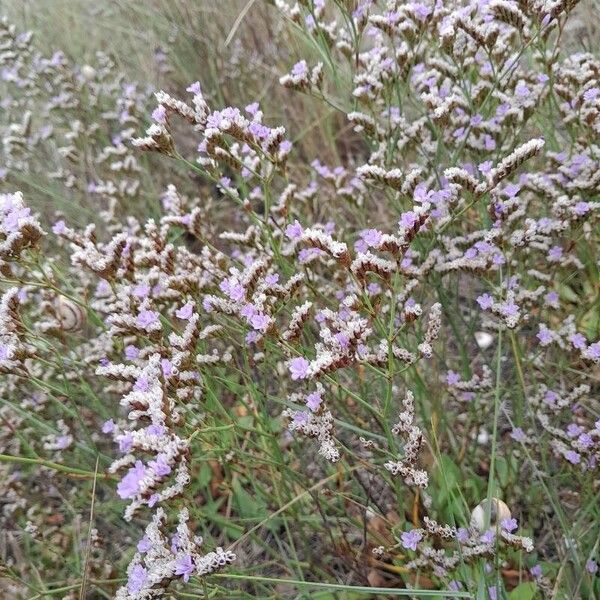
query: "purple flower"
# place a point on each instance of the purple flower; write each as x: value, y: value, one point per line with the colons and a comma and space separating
x: 233, y: 288
x: 555, y: 254
x: 485, y: 167
x: 509, y: 309
x: 59, y: 227
x: 581, y: 208
x: 185, y: 312
x: 573, y: 457
x: 591, y: 566
x: 544, y: 335
x: 462, y: 535
x: 522, y: 90
x: 252, y: 109
x: 509, y: 525
x: 194, y: 88
x: 144, y: 545
x: 410, y: 539
x: 167, y: 367
x: 371, y: 237
x: 493, y: 592
x: 125, y: 442
x: 131, y: 352
x: 408, y: 219
x: 536, y: 571
x: 573, y: 430
x: 160, y: 466
x: 260, y: 322
x: 108, y: 427
x: 147, y: 318
x: 142, y: 384
x: 488, y: 537
x: 578, y: 340
x: 512, y: 189
x: 313, y: 401
x: 452, y: 378
x: 130, y: 484
x: 593, y: 351
x: 518, y: 435
x: 485, y: 301
x: 137, y: 579
x: 551, y: 299
x: 299, y: 368
x: 300, y: 69
x: 159, y: 114
x: 591, y: 93
x: 294, y: 230
x: 184, y: 566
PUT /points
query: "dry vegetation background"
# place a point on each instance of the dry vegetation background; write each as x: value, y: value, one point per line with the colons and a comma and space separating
x: 290, y: 517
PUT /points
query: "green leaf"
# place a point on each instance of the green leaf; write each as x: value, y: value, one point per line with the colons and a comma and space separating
x: 524, y: 591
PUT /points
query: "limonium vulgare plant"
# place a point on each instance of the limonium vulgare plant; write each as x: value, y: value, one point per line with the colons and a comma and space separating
x: 376, y: 376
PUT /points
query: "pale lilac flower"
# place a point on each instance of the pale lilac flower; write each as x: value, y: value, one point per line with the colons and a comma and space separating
x: 518, y: 435
x: 233, y: 288
x: 194, y: 88
x: 155, y: 430
x: 137, y: 579
x: 125, y: 442
x: 544, y: 336
x: 159, y: 114
x: 300, y: 69
x: 551, y: 299
x: 452, y: 378
x: 410, y: 539
x: 144, y: 545
x: 108, y: 426
x: 593, y: 351
x: 485, y: 167
x: 131, y: 352
x: 509, y: 309
x: 591, y: 566
x: 160, y: 466
x: 581, y: 208
x: 578, y: 340
x: 488, y: 537
x: 252, y: 109
x: 147, y: 318
x: 573, y: 457
x: 512, y: 189
x: 493, y: 592
x: 509, y: 525
x: 591, y: 94
x: 536, y: 571
x: 260, y: 322
x: 129, y: 486
x: 184, y: 566
x: 294, y: 230
x: 371, y: 237
x: 485, y: 301
x: 59, y: 227
x: 185, y: 312
x: 573, y: 430
x: 313, y: 401
x: 462, y: 535
x: 408, y: 219
x: 299, y: 368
